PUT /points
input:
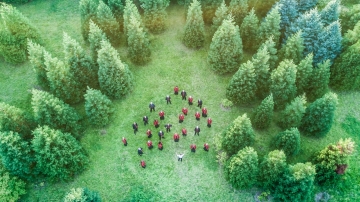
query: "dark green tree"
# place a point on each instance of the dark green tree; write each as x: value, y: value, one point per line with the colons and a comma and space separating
x: 288, y: 141
x: 97, y: 107
x: 271, y: 168
x: 221, y: 13
x: 293, y: 49
x: 270, y: 26
x: 293, y: 113
x: 318, y: 81
x: 107, y: 22
x: 194, y: 34
x: 238, y: 9
x: 350, y: 17
x: 264, y: 113
x: 37, y: 59
x: 248, y: 29
x: 117, y: 8
x: 304, y: 73
x: 82, y: 195
x: 96, y: 35
x: 155, y: 14
x: 12, y: 188
x: 261, y: 64
x: 209, y: 8
x: 88, y: 10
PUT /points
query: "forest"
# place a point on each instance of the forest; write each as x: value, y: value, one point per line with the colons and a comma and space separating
x: 276, y: 83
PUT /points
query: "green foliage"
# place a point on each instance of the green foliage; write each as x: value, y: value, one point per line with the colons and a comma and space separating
x: 293, y: 49
x: 238, y: 9
x: 117, y: 8
x: 97, y: 107
x: 270, y: 26
x: 209, y: 8
x: 350, y: 17
x: 242, y: 86
x: 352, y: 36
x: 221, y: 13
x: 261, y: 64
x: 238, y: 135
x: 331, y: 12
x: 319, y: 116
x: 271, y: 48
x: 37, y: 59
x: 96, y: 35
x: 270, y: 169
x: 88, y: 10
x: 115, y: 78
x: 293, y: 113
x: 248, y: 29
x: 130, y: 9
x: 51, y: 111
x: 226, y: 48
x: 226, y: 103
x: 318, y: 81
x: 138, y: 42
x: 194, y: 34
x: 82, y: 195
x: 288, y: 141
x: 16, y: 1
x: 59, y: 155
x: 155, y: 14
x: 140, y: 193
x: 304, y: 73
x: 242, y: 168
x: 12, y: 188
x: 283, y: 80
x: 107, y: 22
x: 264, y: 113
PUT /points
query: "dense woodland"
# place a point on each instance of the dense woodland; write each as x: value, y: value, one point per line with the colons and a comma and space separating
x: 285, y: 60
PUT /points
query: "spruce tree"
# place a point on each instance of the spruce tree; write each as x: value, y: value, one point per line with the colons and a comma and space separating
x: 305, y: 5
x: 221, y: 13
x: 289, y: 11
x: 271, y: 48
x: 351, y: 36
x: 107, y: 22
x: 261, y: 64
x: 238, y: 135
x: 194, y: 34
x: 319, y: 116
x: 97, y: 107
x: 88, y: 10
x: 130, y: 9
x: 209, y: 7
x: 117, y: 9
x: 36, y: 57
x: 318, y: 81
x: 49, y: 144
x: 282, y: 85
x: 249, y: 28
x: 155, y: 14
x: 349, y: 18
x: 115, y: 78
x: 293, y: 49
x: 293, y: 113
x: 303, y: 74
x: 331, y: 12
x: 242, y: 169
x: 288, y: 141
x: 238, y: 9
x: 226, y: 48
x: 271, y: 168
x: 138, y: 42
x: 270, y: 26
x: 96, y: 35
x: 51, y: 111
x: 264, y: 113
x: 242, y: 86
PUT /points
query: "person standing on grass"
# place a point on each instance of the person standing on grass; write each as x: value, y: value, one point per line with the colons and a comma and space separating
x: 206, y: 147
x: 142, y: 164
x: 146, y: 120
x: 184, y: 132
x: 184, y: 111
x: 183, y: 95
x: 197, y: 130
x: 180, y: 156
x: 135, y: 127
x: 200, y: 103
x: 204, y: 112
x: 190, y: 100
x: 149, y: 144
x: 193, y: 147
x: 156, y: 123
x: 168, y: 127
x: 161, y: 134
x: 176, y: 137
x: 152, y: 106
x: 209, y: 122
x: 124, y: 141
x: 197, y: 116
x: 168, y: 99
x: 176, y: 90
x: 140, y: 151
x: 160, y: 146
x: 181, y: 118
x: 162, y: 115
x: 148, y: 133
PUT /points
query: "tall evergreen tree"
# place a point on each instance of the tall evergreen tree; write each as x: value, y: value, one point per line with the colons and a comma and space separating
x: 319, y: 116
x: 249, y: 28
x: 352, y: 36
x: 264, y: 113
x: 115, y: 78
x: 221, y: 13
x: 155, y: 14
x: 130, y: 9
x: 51, y: 111
x: 261, y: 64
x: 271, y: 168
x: 271, y: 48
x: 304, y: 73
x: 270, y: 26
x: 194, y: 34
x: 283, y: 80
x: 209, y: 7
x: 331, y: 12
x: 88, y: 10
x: 107, y: 22
x: 293, y: 113
x: 318, y: 81
x: 117, y: 9
x: 289, y: 11
x: 97, y: 107
x: 239, y: 9
x: 242, y: 168
x: 226, y: 48
x: 305, y: 5
x: 48, y: 145
x: 242, y: 86
x: 238, y: 135
x: 36, y: 57
x: 138, y: 43
x: 96, y: 35
x: 293, y: 49
x: 288, y: 141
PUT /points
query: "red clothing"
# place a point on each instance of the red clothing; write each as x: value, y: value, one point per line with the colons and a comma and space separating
x: 148, y: 132
x: 206, y: 146
x: 143, y: 164
x: 204, y: 110
x: 176, y: 89
x: 156, y: 122
x: 184, y: 110
x: 181, y: 117
x: 197, y: 115
x: 161, y: 113
x: 193, y: 146
x: 149, y: 143
x: 176, y: 136
x: 190, y: 99
x: 160, y: 145
x: 209, y: 121
x: 184, y: 132
x: 124, y: 141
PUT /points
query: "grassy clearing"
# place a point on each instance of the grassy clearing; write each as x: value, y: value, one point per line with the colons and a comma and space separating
x: 114, y: 169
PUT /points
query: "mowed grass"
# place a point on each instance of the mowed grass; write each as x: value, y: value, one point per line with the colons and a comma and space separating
x: 114, y: 169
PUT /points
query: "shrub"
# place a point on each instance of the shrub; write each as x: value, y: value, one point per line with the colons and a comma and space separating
x: 82, y: 195
x: 271, y: 168
x: 12, y: 188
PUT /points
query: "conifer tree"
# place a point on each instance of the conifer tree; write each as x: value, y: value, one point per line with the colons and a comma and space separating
x: 82, y: 194
x: 238, y: 135
x: 319, y: 116
x: 303, y: 74
x: 264, y: 113
x: 88, y: 10
x: 292, y: 115
x: 331, y: 12
x: 242, y: 168
x: 318, y: 81
x: 221, y: 13
x: 289, y: 11
x: 115, y: 78
x: 51, y: 111
x: 271, y: 48
x: 155, y: 14
x: 261, y: 64
x: 293, y: 49
x: 138, y: 43
x: 12, y: 188
x: 283, y: 80
x: 226, y: 48
x: 349, y: 18
x: 352, y: 36
x: 305, y: 5
x: 288, y: 141
x: 107, y: 22
x: 117, y: 9
x: 238, y: 9
x: 97, y: 107
x: 36, y: 57
x: 130, y: 9
x: 209, y: 7
x: 49, y: 144
x: 249, y: 28
x: 96, y: 35
x: 271, y: 168
x: 242, y: 86
x: 270, y: 26
x: 194, y: 34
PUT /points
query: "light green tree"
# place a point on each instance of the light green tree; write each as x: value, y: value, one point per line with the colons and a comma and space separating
x: 130, y: 9
x: 293, y: 113
x: 117, y: 9
x: 303, y: 74
x: 271, y: 168
x: 82, y: 195
x: 88, y: 10
x: 261, y: 64
x: 293, y: 49
x: 318, y: 81
x: 288, y: 141
x: 96, y: 35
x: 264, y: 113
x: 194, y: 34
x: 37, y: 59
x: 221, y: 13
x: 97, y: 107
x: 271, y: 48
x: 270, y: 26
x: 12, y: 188
x: 239, y: 9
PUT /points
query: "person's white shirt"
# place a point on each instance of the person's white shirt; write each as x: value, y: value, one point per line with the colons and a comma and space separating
x: 180, y: 156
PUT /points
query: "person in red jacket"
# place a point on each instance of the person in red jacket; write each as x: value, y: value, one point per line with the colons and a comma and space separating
x: 184, y: 111
x: 162, y: 115
x: 197, y: 116
x: 183, y: 94
x: 148, y: 133
x: 176, y: 90
x: 204, y: 112
x: 142, y: 164
x: 160, y: 146
x: 176, y: 137
x: 190, y: 100
x: 181, y: 118
x: 184, y: 132
x: 197, y: 130
x: 156, y: 123
x: 193, y: 147
x: 124, y: 141
x: 206, y: 147
x: 209, y: 122
x: 149, y: 144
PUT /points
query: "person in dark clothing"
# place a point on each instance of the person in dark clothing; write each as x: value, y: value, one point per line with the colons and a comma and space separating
x: 197, y: 130
x: 190, y: 100
x: 152, y: 106
x: 168, y: 127
x: 140, y: 151
x: 124, y: 141
x: 162, y: 115
x: 156, y: 123
x: 184, y: 111
x: 149, y: 144
x: 176, y: 90
x: 193, y: 147
x: 200, y: 103
x: 209, y: 122
x: 146, y: 120
x: 204, y: 112
x: 206, y: 147
x: 183, y: 94
x: 176, y: 137
x: 160, y: 146
x: 142, y: 164
x: 148, y: 133
x: 161, y: 134
x: 135, y: 127
x: 181, y: 118
x: 184, y: 132
x: 168, y: 99
x: 197, y: 116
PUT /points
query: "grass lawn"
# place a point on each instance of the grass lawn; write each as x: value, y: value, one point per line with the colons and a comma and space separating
x: 114, y: 170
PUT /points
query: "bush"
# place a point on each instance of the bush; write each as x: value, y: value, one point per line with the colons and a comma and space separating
x: 82, y: 195
x: 271, y: 168
x: 11, y: 187
x: 288, y: 141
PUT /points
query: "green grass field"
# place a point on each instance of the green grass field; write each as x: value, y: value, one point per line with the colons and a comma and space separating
x: 114, y: 170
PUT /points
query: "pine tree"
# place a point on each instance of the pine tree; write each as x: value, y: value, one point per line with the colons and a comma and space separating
x: 115, y: 78
x: 209, y: 7
x: 107, y: 22
x: 271, y: 48
x: 352, y: 36
x: 318, y: 81
x: 249, y: 28
x: 130, y: 9
x: 221, y: 13
x: 96, y: 35
x: 155, y: 14
x: 305, y: 5
x: 51, y: 111
x: 97, y: 107
x: 264, y: 113
x: 82, y: 194
x: 293, y: 49
x: 293, y: 113
x: 36, y: 57
x: 303, y: 74
x: 270, y: 26
x: 88, y: 10
x: 194, y: 34
x: 226, y: 48
x: 239, y: 9
x: 331, y: 12
x: 49, y: 144
x: 288, y: 141
x: 271, y: 168
x: 283, y: 80
x: 319, y: 116
x: 117, y: 8
x: 242, y: 168
x: 138, y: 43
x: 261, y: 64
x: 350, y: 17
x: 238, y: 135
x: 289, y: 11
x: 242, y: 86
x: 12, y: 188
